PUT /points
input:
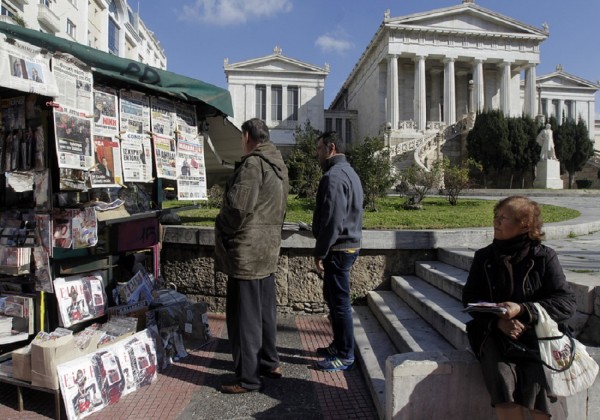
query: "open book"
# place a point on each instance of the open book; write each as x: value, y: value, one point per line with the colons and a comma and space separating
x: 485, y: 307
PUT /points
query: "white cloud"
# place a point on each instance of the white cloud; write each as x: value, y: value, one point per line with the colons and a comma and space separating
x: 226, y: 12
x: 333, y: 43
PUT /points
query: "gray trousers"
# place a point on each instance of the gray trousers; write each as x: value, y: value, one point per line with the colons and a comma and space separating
x: 252, y: 328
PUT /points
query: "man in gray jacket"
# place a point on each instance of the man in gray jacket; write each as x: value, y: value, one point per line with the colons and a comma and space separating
x: 247, y: 243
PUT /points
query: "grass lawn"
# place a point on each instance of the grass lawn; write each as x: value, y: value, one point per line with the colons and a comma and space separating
x: 436, y: 213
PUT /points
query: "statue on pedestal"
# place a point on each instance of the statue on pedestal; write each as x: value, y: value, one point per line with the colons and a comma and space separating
x: 545, y: 140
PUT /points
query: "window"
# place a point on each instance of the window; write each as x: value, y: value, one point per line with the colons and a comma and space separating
x: 113, y: 37
x: 71, y: 28
x: 348, y: 131
x: 328, y: 124
x: 338, y: 125
x: 45, y: 2
x: 292, y: 103
x: 112, y: 7
x: 7, y: 12
x: 261, y: 102
x: 276, y: 103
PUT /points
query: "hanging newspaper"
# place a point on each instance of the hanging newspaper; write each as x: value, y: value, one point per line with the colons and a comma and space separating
x: 134, y: 112
x: 186, y: 119
x: 191, y: 178
x: 75, y: 81
x: 136, y: 157
x: 164, y: 154
x: 163, y: 116
x: 23, y: 67
x: 107, y: 153
x: 73, y: 133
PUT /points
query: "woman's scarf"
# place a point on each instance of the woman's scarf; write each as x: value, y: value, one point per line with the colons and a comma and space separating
x: 510, y: 252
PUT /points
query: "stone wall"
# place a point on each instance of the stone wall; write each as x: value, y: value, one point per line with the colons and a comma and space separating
x: 187, y: 264
x: 189, y: 267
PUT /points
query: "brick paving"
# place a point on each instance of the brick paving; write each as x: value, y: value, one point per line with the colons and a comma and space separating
x: 186, y: 386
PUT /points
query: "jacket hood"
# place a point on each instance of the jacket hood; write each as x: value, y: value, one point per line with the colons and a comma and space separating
x: 269, y: 153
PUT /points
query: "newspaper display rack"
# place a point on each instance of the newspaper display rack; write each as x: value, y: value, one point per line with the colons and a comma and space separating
x: 86, y: 140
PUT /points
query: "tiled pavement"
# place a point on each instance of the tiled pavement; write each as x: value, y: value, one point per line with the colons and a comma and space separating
x: 188, y: 388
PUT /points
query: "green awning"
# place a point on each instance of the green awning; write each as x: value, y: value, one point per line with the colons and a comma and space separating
x: 130, y: 72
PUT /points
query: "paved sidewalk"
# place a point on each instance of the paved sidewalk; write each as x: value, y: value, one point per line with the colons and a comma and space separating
x: 188, y: 389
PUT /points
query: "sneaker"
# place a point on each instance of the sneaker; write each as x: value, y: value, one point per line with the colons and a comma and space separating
x: 335, y: 364
x: 328, y: 351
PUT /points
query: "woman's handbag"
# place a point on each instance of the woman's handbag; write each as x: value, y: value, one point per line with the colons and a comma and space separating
x: 568, y: 367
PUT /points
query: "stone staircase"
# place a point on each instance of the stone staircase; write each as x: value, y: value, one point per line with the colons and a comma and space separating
x: 415, y: 353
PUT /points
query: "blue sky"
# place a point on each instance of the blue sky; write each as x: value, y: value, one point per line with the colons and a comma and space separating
x: 198, y: 35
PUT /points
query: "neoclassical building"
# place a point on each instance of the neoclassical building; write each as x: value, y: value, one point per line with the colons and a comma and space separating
x: 428, y: 70
x: 280, y: 90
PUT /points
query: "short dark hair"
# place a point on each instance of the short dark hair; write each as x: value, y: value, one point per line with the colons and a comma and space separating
x: 332, y: 137
x: 526, y: 212
x: 257, y: 130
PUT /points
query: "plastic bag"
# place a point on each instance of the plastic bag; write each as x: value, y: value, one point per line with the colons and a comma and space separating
x: 568, y: 367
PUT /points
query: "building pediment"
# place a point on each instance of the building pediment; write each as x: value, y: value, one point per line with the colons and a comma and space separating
x: 275, y: 62
x: 466, y: 18
x: 565, y: 80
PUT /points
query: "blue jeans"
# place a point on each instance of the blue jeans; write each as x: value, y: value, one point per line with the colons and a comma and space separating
x: 336, y: 290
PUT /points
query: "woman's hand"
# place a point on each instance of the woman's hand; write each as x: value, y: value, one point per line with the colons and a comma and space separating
x: 511, y: 327
x: 513, y: 310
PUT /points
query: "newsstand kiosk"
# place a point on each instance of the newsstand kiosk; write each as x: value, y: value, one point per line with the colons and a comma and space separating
x: 86, y: 141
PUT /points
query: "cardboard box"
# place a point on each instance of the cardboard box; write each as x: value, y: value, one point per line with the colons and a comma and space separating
x: 22, y: 363
x: 46, y: 355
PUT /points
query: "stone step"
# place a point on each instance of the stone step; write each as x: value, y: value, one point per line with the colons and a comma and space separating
x: 407, y: 330
x: 442, y: 311
x: 457, y: 257
x: 443, y: 276
x: 372, y: 346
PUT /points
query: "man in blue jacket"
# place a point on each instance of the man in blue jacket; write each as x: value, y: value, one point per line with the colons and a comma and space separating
x: 337, y: 227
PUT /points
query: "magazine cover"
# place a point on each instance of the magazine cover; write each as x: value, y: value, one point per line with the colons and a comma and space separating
x: 80, y: 298
x: 80, y: 388
x: 110, y: 376
x: 142, y: 353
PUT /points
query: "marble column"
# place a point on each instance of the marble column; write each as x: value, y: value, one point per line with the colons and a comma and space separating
x: 420, y: 96
x: 530, y: 90
x: 393, y: 101
x: 591, y: 122
x: 505, y: 88
x: 436, y: 95
x: 479, y: 93
x: 449, y: 91
x: 559, y: 111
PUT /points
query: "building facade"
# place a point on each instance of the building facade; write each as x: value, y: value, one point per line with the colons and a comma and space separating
x: 107, y: 25
x: 428, y: 70
x: 282, y: 91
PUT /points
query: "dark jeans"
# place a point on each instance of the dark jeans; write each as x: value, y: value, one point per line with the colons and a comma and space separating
x: 336, y: 291
x: 252, y: 328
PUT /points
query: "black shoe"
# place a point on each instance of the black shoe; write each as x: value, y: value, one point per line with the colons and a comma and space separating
x: 273, y: 373
x: 328, y: 351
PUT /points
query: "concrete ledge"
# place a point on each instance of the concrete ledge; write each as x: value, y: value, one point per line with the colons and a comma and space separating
x: 432, y: 385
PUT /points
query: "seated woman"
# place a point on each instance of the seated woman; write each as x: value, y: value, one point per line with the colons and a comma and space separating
x: 515, y: 271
